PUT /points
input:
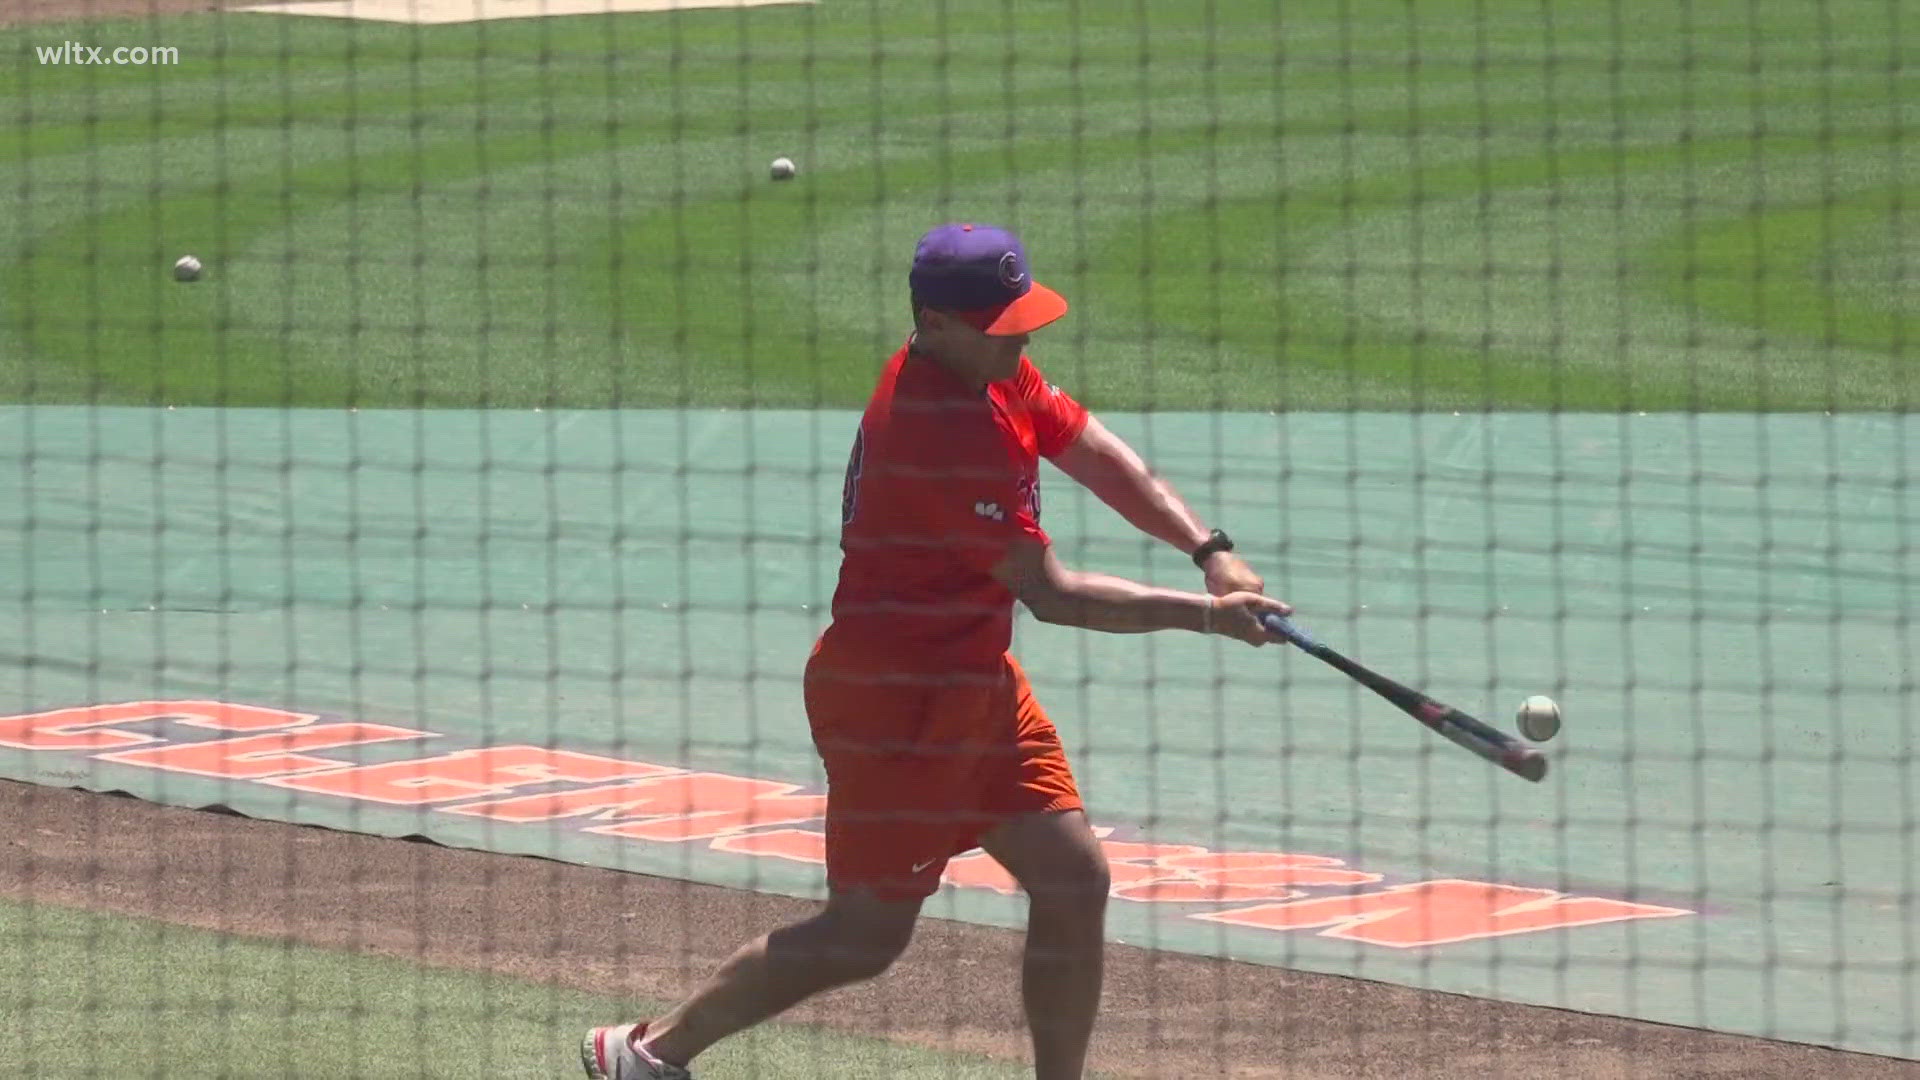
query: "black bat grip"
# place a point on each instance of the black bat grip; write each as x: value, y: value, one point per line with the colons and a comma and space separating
x: 1282, y: 627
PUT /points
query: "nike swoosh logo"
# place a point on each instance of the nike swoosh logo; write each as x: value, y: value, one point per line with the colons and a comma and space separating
x: 922, y: 866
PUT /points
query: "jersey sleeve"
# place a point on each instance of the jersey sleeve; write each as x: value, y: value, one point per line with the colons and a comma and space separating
x: 977, y: 500
x: 1057, y: 418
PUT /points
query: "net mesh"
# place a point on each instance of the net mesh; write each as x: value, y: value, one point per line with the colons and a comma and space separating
x: 424, y: 420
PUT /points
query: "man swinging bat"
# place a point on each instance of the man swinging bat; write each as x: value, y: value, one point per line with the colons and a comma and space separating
x: 931, y: 737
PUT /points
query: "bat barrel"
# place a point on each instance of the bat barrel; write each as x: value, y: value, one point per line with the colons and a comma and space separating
x: 1470, y: 734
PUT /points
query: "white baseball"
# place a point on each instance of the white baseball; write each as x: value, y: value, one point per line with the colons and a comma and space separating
x: 1539, y: 718
x: 186, y: 269
x: 783, y: 168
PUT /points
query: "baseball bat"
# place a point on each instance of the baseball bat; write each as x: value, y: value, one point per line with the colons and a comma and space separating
x: 1489, y: 742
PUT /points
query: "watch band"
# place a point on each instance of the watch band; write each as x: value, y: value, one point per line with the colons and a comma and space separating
x: 1216, y: 541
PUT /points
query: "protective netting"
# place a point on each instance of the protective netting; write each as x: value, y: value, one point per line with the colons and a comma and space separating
x: 430, y: 419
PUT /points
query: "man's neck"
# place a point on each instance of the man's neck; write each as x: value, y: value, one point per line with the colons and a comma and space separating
x: 973, y: 381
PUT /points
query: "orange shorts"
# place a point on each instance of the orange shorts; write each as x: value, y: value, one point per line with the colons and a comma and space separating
x: 919, y: 767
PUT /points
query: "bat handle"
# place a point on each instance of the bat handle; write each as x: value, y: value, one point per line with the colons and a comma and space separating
x: 1279, y: 626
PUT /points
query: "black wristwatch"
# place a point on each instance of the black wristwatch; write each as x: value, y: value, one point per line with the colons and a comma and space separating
x: 1216, y: 541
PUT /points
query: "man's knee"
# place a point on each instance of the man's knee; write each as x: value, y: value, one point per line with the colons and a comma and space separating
x: 1057, y: 860
x: 1078, y: 884
x: 866, y: 955
x: 862, y: 937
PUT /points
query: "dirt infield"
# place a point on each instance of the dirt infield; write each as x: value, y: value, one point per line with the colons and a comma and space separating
x: 606, y: 932
x: 20, y: 12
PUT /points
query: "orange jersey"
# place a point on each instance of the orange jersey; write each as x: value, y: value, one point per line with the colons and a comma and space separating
x: 941, y: 480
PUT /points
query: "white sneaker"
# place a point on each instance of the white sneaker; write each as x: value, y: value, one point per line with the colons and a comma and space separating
x: 613, y: 1053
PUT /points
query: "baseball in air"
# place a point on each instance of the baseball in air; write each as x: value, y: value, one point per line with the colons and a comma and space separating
x: 1539, y: 718
x: 782, y: 168
x: 186, y: 269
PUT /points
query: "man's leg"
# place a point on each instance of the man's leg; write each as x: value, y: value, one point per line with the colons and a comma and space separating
x: 1057, y: 860
x: 857, y: 937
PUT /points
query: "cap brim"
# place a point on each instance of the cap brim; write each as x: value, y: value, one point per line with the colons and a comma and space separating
x: 1036, y: 309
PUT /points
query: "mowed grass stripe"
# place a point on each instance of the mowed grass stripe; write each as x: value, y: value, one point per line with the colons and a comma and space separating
x: 608, y: 95
x: 486, y: 192
x: 460, y: 159
x: 273, y: 259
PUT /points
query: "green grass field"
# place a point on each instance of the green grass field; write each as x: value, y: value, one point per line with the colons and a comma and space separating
x: 85, y: 994
x: 1362, y: 205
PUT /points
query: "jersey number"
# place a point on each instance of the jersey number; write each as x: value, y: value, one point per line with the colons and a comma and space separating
x: 850, y: 489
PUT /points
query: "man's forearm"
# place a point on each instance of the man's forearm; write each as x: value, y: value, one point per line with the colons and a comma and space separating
x: 1151, y: 505
x: 1119, y: 606
x: 1118, y: 477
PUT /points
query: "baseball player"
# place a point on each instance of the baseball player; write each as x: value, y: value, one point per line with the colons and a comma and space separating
x: 931, y: 737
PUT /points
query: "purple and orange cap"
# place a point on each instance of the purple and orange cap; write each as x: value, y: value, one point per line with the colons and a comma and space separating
x: 979, y: 273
